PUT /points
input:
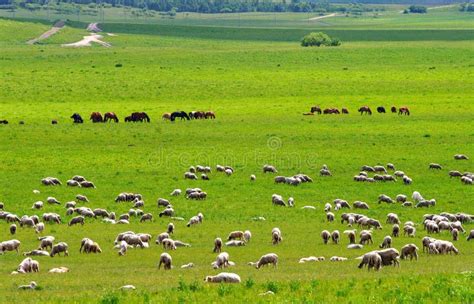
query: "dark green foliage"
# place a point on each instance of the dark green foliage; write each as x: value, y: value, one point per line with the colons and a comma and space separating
x: 319, y: 39
x: 417, y: 9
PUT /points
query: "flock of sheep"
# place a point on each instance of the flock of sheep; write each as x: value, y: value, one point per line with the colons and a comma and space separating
x: 386, y: 255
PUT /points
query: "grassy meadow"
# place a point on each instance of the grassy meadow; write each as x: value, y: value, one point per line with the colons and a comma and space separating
x: 259, y: 82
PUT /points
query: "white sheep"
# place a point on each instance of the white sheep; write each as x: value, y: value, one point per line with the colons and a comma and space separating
x: 166, y: 260
x: 270, y: 258
x: 222, y: 260
x: 223, y: 277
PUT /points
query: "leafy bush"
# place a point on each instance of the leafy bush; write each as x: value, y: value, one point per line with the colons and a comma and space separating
x: 417, y: 9
x: 318, y: 39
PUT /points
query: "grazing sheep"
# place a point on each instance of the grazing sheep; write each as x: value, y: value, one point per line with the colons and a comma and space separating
x: 82, y: 198
x: 426, y: 204
x: 79, y: 178
x: 168, y: 244
x: 204, y: 176
x: 327, y: 207
x: 87, y: 184
x: 435, y: 166
x: 466, y: 180
x: 401, y: 198
x: 276, y: 236
x: 395, y: 230
x: 387, y: 242
x: 399, y: 173
x: 407, y: 180
x: 217, y: 245
x: 417, y: 197
x: 11, y: 245
x: 372, y: 260
x: 270, y: 258
x: 330, y: 216
x: 235, y: 235
x: 455, y: 234
x: 471, y: 235
x: 325, y: 172
x: 311, y: 259
x: 385, y: 198
x: 460, y: 157
x: 325, y: 235
x: 291, y: 202
x: 279, y: 179
x: 407, y: 204
x: 253, y: 178
x: 166, y: 260
x: 37, y: 205
x: 71, y: 204
x: 335, y: 236
x: 389, y: 256
x: 12, y: 229
x: 223, y: 277
x: 176, y: 192
x: 222, y: 260
x: 170, y: 228
x: 351, y: 234
x: 197, y: 219
x: 46, y: 242
x: 409, y: 250
x: 58, y: 248
x: 77, y: 220
x: 235, y: 243
x: 167, y: 212
x: 146, y: 217
x: 190, y: 175
x: 27, y: 221
x: 73, y: 183
x: 379, y: 169
x: 392, y: 218
x: 39, y: 228
x: 52, y: 200
x: 367, y: 168
x: 391, y: 166
x: 278, y: 200
x: 228, y: 172
x: 32, y: 285
x: 360, y: 205
x: 269, y: 169
x: 123, y: 246
x: 409, y: 230
x: 365, y: 237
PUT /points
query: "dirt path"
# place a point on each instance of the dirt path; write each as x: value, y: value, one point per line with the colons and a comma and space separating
x: 87, y: 41
x: 323, y: 17
x: 93, y: 27
x: 56, y: 28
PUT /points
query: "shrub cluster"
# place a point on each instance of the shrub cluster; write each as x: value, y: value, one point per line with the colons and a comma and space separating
x: 319, y: 39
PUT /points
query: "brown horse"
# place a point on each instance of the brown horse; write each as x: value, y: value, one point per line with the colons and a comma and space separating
x: 140, y: 116
x: 316, y: 109
x: 365, y: 109
x: 403, y: 110
x: 393, y: 109
x: 210, y: 115
x: 110, y: 116
x: 96, y: 117
x: 331, y: 111
x: 166, y: 116
x: 345, y: 111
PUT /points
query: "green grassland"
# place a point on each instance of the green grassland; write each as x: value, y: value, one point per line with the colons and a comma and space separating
x: 259, y: 89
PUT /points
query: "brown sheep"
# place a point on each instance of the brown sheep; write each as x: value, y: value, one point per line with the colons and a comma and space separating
x: 170, y: 228
x: 11, y: 245
x: 234, y: 235
x: 389, y: 256
x: 12, y: 229
x: 325, y: 235
x: 58, y: 248
x: 351, y: 234
x: 372, y: 260
x: 266, y: 259
x: 335, y: 236
x: 395, y: 230
x: 387, y: 242
x: 77, y: 220
x: 409, y: 250
x: 471, y: 235
x: 146, y: 217
x: 455, y: 234
x: 276, y: 236
x: 365, y: 237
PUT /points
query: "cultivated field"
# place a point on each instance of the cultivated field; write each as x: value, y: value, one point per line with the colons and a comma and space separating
x: 259, y: 82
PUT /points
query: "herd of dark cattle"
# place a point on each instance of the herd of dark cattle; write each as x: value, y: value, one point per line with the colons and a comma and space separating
x: 362, y: 110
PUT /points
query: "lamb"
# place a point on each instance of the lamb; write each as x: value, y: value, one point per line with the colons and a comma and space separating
x: 197, y: 219
x: 435, y: 166
x: 387, y: 242
x: 351, y: 234
x: 37, y: 205
x: 276, y: 236
x: 325, y: 235
x: 58, y: 248
x: 12, y: 229
x: 247, y: 236
x: 77, y: 220
x: 32, y: 285
x: 146, y: 217
x: 311, y: 259
x: 235, y: 235
x: 170, y: 228
x: 39, y: 228
x: 71, y: 204
x: 360, y: 205
x: 36, y: 253
x: 395, y: 230
x: 217, y: 245
x: 335, y: 236
x: 223, y: 277
x: 270, y: 258
x: 235, y: 243
x: 176, y: 192
x: 59, y: 270
x: 166, y: 260
x: 409, y: 250
x: 269, y: 169
x: 11, y: 245
x: 372, y: 260
x: 82, y: 198
x: 222, y: 260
